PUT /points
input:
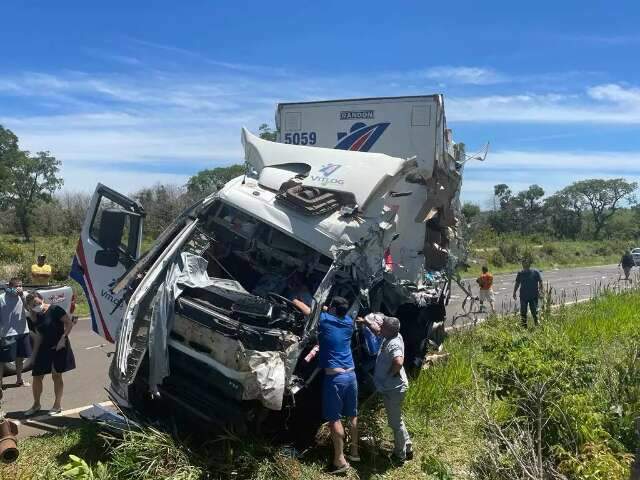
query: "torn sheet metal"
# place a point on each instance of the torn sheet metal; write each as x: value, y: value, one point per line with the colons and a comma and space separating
x: 187, y: 270
x: 133, y: 335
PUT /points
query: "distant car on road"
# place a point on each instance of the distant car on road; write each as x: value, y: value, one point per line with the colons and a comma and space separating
x: 635, y: 253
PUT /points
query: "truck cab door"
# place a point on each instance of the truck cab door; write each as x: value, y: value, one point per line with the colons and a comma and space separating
x: 109, y: 245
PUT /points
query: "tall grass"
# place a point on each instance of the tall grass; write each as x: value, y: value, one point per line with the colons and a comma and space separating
x: 462, y: 412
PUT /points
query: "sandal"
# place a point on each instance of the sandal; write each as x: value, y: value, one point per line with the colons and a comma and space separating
x: 32, y: 411
x: 335, y: 470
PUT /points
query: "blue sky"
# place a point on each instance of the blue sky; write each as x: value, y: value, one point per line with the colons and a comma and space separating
x: 133, y: 93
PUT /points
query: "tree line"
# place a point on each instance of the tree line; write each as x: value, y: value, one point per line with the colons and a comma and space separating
x: 31, y: 200
x: 586, y: 209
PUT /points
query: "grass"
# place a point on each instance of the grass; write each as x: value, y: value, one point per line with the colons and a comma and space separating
x: 452, y: 410
x: 503, y: 254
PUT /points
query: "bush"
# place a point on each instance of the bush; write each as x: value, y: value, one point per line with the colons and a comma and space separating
x: 549, y: 249
x: 497, y: 259
x: 10, y: 252
x: 510, y: 251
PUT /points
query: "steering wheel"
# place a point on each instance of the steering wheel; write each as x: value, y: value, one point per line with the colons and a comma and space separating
x: 279, y: 298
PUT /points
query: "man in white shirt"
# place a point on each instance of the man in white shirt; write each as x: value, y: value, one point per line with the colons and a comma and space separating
x: 15, y: 344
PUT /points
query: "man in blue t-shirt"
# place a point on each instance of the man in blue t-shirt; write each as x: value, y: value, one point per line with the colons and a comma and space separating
x: 529, y: 281
x: 340, y: 388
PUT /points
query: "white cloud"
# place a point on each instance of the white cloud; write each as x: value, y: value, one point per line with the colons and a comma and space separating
x: 551, y: 170
x: 465, y: 75
x: 600, y: 161
x: 615, y: 93
x: 613, y: 104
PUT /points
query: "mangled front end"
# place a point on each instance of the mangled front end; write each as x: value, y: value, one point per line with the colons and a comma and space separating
x: 210, y: 324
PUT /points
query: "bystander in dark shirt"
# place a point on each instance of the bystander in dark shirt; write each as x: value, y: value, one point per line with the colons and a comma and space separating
x: 529, y: 280
x: 627, y: 260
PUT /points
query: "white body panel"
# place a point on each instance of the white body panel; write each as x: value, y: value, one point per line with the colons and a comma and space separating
x: 407, y: 126
x: 402, y: 127
x: 106, y: 307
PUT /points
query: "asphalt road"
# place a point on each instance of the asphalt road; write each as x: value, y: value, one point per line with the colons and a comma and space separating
x: 84, y: 386
x: 568, y: 285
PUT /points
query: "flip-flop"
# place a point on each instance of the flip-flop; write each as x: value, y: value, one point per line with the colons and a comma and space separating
x: 334, y: 470
x: 33, y: 410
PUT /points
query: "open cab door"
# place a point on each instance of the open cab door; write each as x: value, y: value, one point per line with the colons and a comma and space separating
x: 109, y: 245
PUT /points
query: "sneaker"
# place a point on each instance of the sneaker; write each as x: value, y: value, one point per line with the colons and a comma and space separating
x: 33, y: 410
x: 395, y: 459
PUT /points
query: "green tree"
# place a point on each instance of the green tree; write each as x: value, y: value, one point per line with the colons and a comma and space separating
x: 8, y: 154
x: 528, y: 209
x: 30, y: 179
x: 162, y: 204
x: 470, y: 211
x: 564, y: 213
x: 267, y: 133
x: 602, y: 197
x: 208, y: 181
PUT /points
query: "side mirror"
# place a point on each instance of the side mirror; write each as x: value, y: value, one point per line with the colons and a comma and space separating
x: 111, y: 228
x: 107, y: 258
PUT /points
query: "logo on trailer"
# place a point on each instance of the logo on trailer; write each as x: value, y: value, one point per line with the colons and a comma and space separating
x: 361, y: 136
x: 328, y: 169
x: 357, y: 115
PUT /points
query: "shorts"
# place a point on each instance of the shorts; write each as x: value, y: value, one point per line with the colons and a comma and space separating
x: 339, y: 396
x: 486, y: 295
x: 49, y: 360
x: 16, y: 346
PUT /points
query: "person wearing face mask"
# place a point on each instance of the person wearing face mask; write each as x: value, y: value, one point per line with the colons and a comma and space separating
x: 15, y: 344
x: 54, y: 354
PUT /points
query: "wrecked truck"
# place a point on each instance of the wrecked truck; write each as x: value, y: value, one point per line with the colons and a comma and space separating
x: 203, y: 321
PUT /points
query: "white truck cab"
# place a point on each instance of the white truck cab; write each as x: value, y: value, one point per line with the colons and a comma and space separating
x: 204, y: 319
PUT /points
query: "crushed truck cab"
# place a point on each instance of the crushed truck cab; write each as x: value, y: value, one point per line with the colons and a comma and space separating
x: 205, y: 320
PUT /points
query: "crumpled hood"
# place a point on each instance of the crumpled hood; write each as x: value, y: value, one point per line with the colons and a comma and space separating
x: 360, y: 173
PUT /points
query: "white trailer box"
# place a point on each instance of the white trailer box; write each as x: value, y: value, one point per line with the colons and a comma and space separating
x: 401, y: 127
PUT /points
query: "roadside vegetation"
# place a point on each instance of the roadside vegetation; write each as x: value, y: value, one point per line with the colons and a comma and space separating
x: 590, y: 222
x: 555, y: 402
x: 503, y: 253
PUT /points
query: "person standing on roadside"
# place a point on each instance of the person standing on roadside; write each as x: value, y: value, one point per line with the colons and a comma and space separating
x: 529, y: 281
x: 41, y: 271
x: 54, y: 354
x: 627, y: 263
x: 15, y: 344
x: 391, y: 381
x: 485, y: 281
